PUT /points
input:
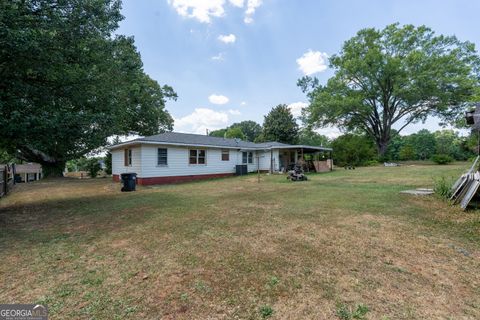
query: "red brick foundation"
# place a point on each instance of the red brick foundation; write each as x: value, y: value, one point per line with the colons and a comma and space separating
x: 174, y: 179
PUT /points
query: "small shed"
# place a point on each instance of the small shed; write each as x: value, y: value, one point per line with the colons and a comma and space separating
x: 28, y: 172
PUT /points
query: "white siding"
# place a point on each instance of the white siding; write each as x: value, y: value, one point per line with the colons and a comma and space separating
x: 267, y: 157
x: 178, y: 162
x: 276, y: 160
x: 251, y: 167
x: 118, y: 164
x: 144, y: 161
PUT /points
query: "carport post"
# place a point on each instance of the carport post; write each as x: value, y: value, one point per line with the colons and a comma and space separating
x: 271, y: 160
x: 331, y: 160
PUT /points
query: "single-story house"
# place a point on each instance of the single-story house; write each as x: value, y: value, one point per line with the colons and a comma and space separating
x: 176, y: 157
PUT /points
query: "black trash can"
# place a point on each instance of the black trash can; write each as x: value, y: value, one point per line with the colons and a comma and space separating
x: 129, y: 181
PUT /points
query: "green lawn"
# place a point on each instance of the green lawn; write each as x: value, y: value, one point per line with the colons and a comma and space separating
x: 343, y: 244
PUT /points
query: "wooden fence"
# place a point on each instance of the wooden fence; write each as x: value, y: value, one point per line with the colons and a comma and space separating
x: 7, y: 179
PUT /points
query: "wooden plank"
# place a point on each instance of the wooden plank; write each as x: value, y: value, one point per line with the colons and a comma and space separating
x: 472, y: 190
x: 458, y: 187
x: 463, y: 190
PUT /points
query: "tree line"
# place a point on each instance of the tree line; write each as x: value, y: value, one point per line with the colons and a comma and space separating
x: 442, y: 146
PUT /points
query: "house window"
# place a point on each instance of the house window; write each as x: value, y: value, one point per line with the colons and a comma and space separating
x: 162, y: 157
x: 247, y: 157
x: 197, y: 156
x: 225, y: 155
x: 127, y: 157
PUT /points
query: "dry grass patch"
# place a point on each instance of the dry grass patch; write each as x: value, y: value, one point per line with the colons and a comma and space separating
x: 342, y: 244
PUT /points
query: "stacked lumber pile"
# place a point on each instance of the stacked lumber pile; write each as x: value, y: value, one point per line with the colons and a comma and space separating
x: 466, y: 187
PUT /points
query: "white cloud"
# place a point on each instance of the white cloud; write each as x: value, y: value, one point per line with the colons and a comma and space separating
x: 234, y: 112
x: 227, y: 38
x: 205, y: 10
x: 312, y: 62
x: 219, y: 57
x: 202, y: 10
x: 252, y: 5
x: 200, y: 120
x: 297, y: 107
x: 243, y: 103
x: 330, y: 132
x: 237, y: 3
x: 218, y: 99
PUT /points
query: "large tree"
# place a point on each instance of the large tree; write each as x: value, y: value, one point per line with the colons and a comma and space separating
x: 395, y: 76
x: 67, y: 81
x: 251, y: 129
x: 234, y: 133
x: 280, y: 125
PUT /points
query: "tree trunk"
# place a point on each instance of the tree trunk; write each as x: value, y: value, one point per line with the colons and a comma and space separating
x: 382, y: 146
x: 53, y: 169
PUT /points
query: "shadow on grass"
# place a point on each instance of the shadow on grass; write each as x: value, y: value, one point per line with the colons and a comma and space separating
x: 53, y: 220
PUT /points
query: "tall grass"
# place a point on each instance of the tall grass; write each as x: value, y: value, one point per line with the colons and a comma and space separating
x: 443, y: 187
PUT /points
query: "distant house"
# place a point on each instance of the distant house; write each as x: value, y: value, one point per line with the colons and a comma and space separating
x: 175, y: 157
x: 28, y: 172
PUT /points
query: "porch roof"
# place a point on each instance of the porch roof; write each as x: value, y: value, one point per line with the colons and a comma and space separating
x: 305, y: 148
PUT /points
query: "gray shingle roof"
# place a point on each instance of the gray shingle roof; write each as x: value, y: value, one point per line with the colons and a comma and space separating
x: 204, y: 140
x: 194, y: 139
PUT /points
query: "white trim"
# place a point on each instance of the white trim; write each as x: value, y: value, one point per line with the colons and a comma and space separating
x: 139, y: 142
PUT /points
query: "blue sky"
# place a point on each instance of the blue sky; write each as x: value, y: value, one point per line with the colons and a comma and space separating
x: 233, y: 60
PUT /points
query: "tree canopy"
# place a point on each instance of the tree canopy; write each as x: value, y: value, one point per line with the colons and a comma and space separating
x: 353, y: 149
x: 309, y: 137
x: 220, y: 133
x: 280, y: 125
x: 398, y: 75
x: 235, y: 132
x: 250, y: 129
x: 68, y: 81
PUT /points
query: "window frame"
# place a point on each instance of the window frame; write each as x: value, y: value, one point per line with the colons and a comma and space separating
x: 247, y: 157
x: 250, y: 157
x: 127, y: 157
x: 162, y: 157
x: 225, y: 155
x: 197, y: 157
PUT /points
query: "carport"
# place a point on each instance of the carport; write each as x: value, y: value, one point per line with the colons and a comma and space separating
x: 312, y: 159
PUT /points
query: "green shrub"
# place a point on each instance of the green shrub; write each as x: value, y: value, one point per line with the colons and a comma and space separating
x: 266, y: 311
x: 345, y: 313
x: 371, y: 163
x: 442, y: 159
x: 442, y: 187
x: 93, y: 167
x: 108, y: 163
